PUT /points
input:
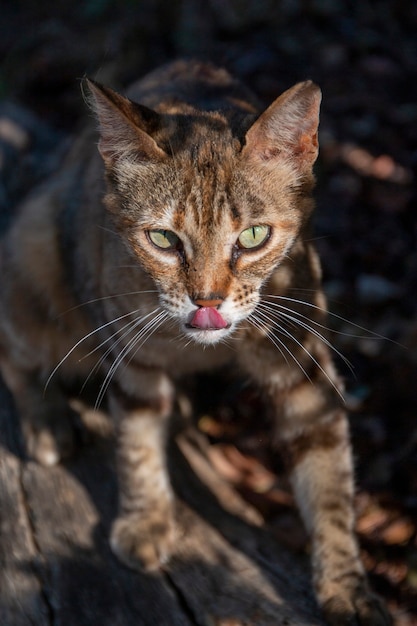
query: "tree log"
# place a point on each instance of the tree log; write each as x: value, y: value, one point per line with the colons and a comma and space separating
x: 56, y: 566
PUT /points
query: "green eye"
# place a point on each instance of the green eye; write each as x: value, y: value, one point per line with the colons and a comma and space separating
x: 253, y: 237
x: 165, y: 239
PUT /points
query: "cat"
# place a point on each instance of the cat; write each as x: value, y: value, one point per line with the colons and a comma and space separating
x: 182, y: 244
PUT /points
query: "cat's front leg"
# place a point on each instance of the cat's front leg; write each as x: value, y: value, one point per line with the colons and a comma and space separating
x: 313, y: 435
x: 143, y: 532
x: 310, y: 430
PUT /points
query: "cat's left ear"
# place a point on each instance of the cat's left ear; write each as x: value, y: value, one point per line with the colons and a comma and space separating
x: 125, y: 126
x: 288, y: 128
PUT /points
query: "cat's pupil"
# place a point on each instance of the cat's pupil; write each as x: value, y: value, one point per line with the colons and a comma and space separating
x: 254, y: 236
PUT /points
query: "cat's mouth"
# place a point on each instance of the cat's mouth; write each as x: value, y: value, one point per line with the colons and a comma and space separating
x: 207, y: 318
x: 207, y: 325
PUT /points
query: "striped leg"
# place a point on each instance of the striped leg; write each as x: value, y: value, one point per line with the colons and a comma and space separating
x: 315, y: 439
x: 143, y: 532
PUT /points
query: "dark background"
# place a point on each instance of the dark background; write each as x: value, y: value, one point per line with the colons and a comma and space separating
x: 364, y: 56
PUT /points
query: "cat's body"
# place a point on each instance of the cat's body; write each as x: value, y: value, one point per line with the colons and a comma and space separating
x: 199, y: 256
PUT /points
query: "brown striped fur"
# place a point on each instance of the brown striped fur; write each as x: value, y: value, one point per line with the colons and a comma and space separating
x: 85, y: 293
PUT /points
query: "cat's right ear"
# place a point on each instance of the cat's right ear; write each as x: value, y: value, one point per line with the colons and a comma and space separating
x: 125, y: 126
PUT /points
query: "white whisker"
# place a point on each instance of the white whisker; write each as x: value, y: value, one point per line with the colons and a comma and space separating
x: 129, y: 326
x: 276, y: 341
x: 116, y: 295
x: 334, y: 315
x: 145, y: 332
x: 293, y: 338
x: 152, y: 328
x: 281, y: 344
x: 109, y: 230
x: 126, y: 329
x: 87, y: 336
x: 290, y: 314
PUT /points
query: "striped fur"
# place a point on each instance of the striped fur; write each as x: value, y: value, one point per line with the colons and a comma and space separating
x: 86, y: 294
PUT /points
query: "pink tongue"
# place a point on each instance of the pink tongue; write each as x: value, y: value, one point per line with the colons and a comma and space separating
x: 207, y: 317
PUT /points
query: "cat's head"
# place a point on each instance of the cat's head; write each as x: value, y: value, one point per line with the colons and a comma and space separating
x: 207, y: 206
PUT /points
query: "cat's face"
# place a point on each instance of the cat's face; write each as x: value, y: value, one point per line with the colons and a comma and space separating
x: 210, y: 241
x: 211, y: 221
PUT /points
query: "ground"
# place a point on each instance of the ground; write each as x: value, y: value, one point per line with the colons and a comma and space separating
x: 364, y: 57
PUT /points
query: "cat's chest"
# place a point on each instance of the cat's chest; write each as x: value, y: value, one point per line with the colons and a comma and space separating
x: 178, y: 359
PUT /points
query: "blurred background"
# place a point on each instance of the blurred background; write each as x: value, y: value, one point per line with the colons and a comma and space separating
x: 364, y: 57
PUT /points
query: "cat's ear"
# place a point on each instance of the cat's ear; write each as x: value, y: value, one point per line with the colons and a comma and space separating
x: 288, y: 127
x: 124, y: 126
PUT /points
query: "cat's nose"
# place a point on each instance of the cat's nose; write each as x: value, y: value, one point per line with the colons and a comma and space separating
x: 215, y: 302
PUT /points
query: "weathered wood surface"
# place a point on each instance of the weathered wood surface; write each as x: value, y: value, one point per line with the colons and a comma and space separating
x: 56, y: 567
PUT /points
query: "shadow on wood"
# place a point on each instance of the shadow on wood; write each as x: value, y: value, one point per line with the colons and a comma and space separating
x: 57, y: 567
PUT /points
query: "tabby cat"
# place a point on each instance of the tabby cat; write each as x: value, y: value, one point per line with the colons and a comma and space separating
x: 183, y: 244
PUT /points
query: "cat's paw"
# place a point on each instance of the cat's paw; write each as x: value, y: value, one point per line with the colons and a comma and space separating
x: 50, y: 438
x: 143, y: 541
x: 362, y: 608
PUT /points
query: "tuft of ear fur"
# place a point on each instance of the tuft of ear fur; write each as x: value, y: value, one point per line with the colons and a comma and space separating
x: 124, y: 126
x: 288, y: 127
